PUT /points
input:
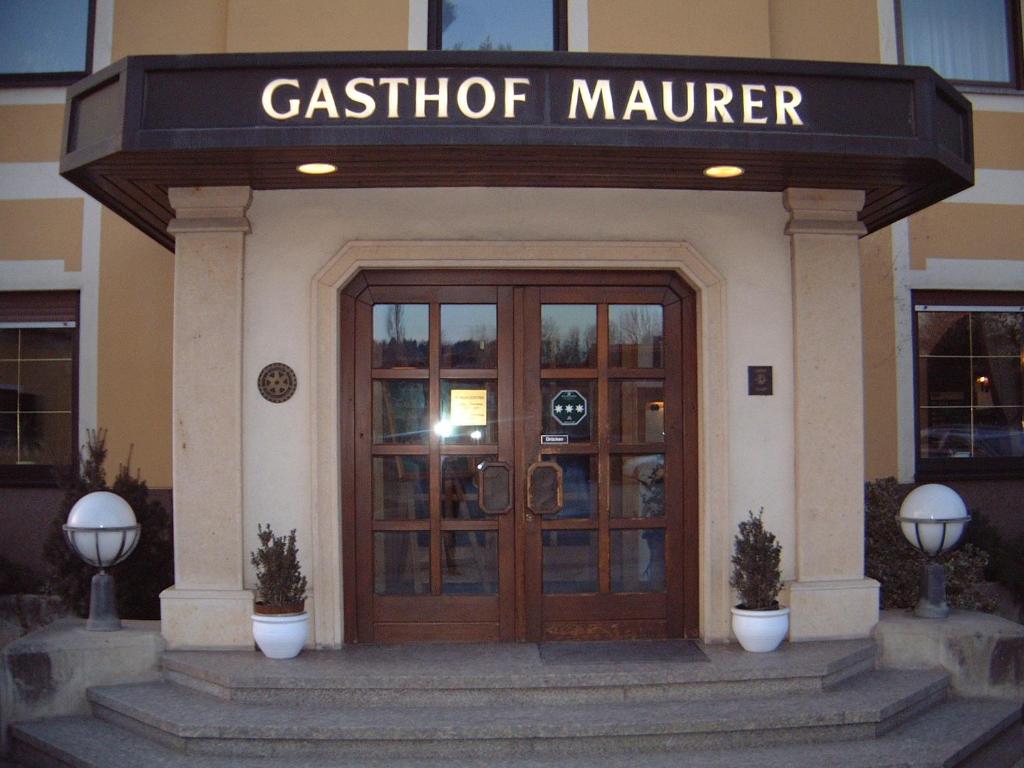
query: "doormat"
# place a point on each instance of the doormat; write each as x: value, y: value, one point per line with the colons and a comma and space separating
x: 619, y: 651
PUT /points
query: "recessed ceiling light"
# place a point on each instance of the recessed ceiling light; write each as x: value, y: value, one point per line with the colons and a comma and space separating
x: 317, y: 169
x: 723, y: 171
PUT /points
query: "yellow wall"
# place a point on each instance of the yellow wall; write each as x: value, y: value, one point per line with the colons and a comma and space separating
x: 42, y: 229
x: 30, y: 133
x: 184, y: 26
x: 317, y: 25
x: 966, y: 231
x: 825, y: 30
x: 134, y: 400
x: 999, y: 140
x: 215, y: 26
x: 693, y: 27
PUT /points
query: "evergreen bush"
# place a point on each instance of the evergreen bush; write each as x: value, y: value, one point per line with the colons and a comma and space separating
x: 145, y: 573
x: 280, y: 584
x: 896, y: 565
x: 757, y: 573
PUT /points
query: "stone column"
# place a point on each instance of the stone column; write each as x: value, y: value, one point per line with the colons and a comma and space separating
x: 207, y: 607
x: 830, y: 597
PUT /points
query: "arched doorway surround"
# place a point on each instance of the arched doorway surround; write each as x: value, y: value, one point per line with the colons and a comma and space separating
x: 714, y: 528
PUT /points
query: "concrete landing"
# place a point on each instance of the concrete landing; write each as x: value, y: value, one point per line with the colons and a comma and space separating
x: 870, y: 705
x: 456, y: 674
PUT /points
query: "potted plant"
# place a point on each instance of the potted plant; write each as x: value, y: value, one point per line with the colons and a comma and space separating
x: 758, y: 622
x: 280, y: 624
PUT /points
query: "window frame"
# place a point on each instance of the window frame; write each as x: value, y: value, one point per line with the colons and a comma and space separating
x: 560, y: 9
x: 974, y: 468
x: 1014, y: 42
x: 46, y: 79
x: 26, y: 308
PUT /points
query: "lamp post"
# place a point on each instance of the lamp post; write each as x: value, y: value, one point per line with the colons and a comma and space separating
x: 933, y: 518
x: 102, y: 530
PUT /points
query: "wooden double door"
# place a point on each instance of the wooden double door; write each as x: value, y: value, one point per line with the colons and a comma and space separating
x: 518, y: 456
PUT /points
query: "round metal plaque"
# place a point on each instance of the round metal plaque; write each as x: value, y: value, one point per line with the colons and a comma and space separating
x: 277, y: 382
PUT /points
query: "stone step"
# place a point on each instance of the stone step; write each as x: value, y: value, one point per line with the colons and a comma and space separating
x: 864, y: 707
x: 976, y: 733
x: 560, y: 673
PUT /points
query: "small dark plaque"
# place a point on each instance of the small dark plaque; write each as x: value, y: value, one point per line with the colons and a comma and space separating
x: 277, y: 382
x: 759, y: 380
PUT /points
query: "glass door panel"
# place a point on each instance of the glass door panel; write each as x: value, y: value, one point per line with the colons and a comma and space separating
x: 400, y: 335
x: 469, y: 336
x: 568, y: 335
x: 635, y: 336
x: 438, y: 381
x: 602, y: 410
x: 570, y: 561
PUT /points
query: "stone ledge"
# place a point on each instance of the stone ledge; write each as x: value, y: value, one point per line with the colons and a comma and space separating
x: 834, y: 609
x: 46, y: 673
x: 984, y: 654
x: 202, y: 618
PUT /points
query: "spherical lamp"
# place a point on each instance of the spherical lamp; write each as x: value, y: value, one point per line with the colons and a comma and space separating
x: 102, y: 530
x: 933, y: 518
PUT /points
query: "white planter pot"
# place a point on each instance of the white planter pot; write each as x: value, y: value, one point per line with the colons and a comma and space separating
x: 760, y: 631
x: 282, y: 636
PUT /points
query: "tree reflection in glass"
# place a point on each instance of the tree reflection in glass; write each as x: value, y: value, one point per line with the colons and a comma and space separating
x: 568, y: 335
x: 469, y: 337
x: 401, y: 334
x: 635, y: 335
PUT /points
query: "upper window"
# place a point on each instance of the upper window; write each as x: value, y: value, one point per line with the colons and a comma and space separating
x: 45, y: 43
x: 38, y: 384
x: 498, y: 25
x: 970, y: 383
x: 966, y: 41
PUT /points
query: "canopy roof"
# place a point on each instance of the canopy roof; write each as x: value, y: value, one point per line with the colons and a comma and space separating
x: 433, y: 119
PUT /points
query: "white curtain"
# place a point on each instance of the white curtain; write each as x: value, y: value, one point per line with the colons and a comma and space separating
x: 959, y: 39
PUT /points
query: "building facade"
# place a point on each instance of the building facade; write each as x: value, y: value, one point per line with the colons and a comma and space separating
x: 339, y: 358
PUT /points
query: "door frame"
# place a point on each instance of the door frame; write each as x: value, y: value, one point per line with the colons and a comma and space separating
x: 684, y: 620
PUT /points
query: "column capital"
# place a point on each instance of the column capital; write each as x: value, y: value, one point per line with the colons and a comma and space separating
x: 209, y: 209
x: 824, y: 211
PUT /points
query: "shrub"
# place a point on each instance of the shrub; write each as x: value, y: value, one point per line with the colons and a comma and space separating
x: 279, y: 578
x: 1006, y: 555
x: 147, y: 571
x: 16, y: 580
x: 756, y: 571
x: 894, y: 563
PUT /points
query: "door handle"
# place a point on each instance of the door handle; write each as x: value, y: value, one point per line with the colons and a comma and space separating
x: 494, y: 483
x: 544, y: 488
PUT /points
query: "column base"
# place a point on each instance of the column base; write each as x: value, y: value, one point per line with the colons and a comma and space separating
x: 839, y: 609
x: 194, y: 619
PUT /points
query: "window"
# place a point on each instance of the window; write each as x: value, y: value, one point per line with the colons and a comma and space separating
x: 970, y: 383
x: 498, y: 25
x: 38, y: 384
x: 966, y: 41
x: 45, y: 43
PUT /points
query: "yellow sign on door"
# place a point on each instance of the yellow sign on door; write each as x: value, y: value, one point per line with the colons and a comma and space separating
x: 469, y: 408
